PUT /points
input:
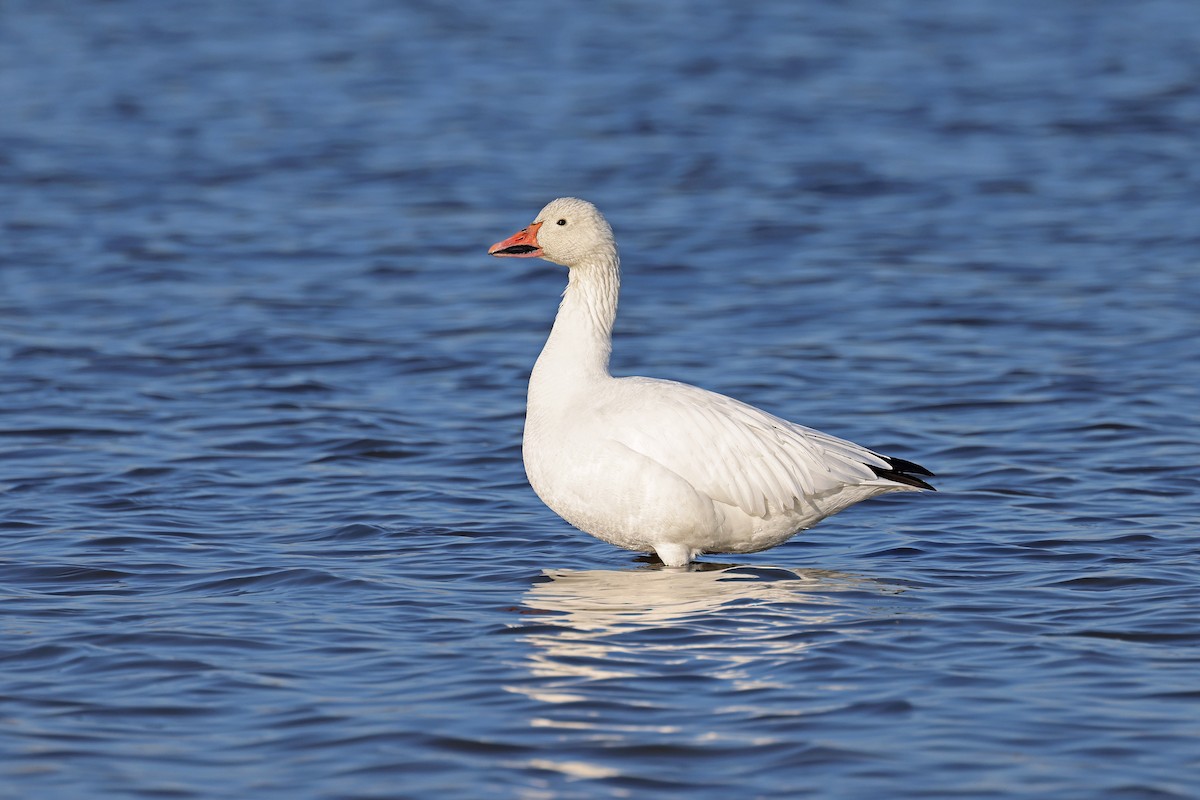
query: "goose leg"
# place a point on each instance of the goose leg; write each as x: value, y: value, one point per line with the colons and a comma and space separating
x: 675, y: 555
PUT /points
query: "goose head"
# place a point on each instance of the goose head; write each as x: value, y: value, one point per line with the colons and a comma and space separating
x: 568, y: 231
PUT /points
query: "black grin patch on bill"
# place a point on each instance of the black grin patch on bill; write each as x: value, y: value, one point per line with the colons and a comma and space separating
x: 516, y: 250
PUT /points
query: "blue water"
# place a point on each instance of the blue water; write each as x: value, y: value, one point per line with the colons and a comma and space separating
x: 265, y: 529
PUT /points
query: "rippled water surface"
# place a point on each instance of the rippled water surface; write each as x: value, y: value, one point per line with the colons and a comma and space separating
x: 264, y: 527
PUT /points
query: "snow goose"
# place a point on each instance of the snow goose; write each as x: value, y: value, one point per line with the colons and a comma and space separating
x: 655, y: 465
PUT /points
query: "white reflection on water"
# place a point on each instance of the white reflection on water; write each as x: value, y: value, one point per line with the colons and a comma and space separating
x: 607, y: 624
x: 686, y: 660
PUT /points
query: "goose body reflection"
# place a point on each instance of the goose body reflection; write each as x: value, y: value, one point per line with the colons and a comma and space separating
x: 617, y: 658
x: 594, y: 615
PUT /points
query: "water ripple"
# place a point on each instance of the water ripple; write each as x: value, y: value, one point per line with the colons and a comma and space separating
x: 264, y: 529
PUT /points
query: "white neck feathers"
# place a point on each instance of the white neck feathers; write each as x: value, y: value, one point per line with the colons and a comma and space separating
x: 577, y: 352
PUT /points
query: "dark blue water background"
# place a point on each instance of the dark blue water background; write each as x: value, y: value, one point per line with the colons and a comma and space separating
x: 265, y: 530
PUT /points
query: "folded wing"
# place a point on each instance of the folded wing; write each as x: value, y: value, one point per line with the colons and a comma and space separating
x: 738, y: 454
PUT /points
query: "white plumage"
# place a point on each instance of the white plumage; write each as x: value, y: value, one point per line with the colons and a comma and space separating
x: 656, y: 465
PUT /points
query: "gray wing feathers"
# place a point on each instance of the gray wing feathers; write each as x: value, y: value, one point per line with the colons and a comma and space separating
x: 737, y: 454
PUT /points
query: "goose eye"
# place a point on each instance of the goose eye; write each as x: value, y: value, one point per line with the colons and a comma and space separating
x: 561, y: 222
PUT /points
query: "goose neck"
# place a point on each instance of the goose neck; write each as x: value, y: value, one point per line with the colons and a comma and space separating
x: 581, y: 341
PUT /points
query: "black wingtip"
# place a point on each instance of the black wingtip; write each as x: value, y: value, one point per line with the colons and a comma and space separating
x: 903, y: 471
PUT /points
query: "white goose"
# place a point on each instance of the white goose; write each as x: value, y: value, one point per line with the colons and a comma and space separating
x: 655, y: 465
